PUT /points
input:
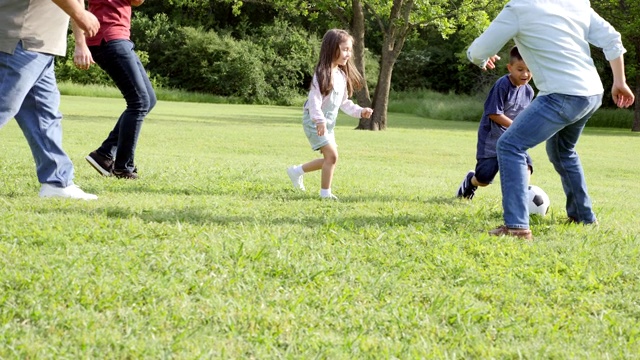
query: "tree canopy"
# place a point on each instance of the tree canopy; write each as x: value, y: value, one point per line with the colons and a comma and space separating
x: 263, y: 51
x: 395, y: 20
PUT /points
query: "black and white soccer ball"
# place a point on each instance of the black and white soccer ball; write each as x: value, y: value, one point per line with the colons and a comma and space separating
x: 538, y: 201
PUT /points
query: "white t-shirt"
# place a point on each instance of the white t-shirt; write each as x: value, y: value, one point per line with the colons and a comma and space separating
x: 553, y: 37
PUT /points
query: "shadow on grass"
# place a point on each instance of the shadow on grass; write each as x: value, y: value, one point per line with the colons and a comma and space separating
x: 262, y: 192
x: 322, y: 213
x: 207, y: 216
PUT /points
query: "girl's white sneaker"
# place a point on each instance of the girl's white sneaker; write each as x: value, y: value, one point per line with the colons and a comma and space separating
x: 295, y: 178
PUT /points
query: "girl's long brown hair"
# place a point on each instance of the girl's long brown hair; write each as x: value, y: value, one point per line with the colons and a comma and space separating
x: 329, y: 51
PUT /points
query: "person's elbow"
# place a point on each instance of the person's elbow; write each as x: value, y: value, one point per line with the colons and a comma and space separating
x: 475, y: 57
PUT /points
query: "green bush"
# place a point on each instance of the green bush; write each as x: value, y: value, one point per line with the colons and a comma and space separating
x: 612, y: 118
x: 195, y: 60
x: 67, y: 71
x: 272, y: 64
x: 434, y: 105
x: 199, y: 61
x: 288, y: 58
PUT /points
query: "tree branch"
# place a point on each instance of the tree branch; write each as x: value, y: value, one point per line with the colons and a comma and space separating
x: 373, y: 12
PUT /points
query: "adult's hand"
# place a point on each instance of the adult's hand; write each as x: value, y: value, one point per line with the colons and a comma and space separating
x: 491, y: 62
x: 84, y: 19
x: 622, y: 95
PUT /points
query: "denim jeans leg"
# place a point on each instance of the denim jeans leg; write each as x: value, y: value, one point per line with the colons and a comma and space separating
x: 546, y: 116
x: 562, y: 154
x: 120, y: 62
x: 29, y: 92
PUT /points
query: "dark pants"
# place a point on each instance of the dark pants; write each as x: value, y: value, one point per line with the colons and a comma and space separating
x: 121, y: 63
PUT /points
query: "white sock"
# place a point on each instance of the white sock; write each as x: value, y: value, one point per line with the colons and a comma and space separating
x: 298, y: 170
x: 325, y: 192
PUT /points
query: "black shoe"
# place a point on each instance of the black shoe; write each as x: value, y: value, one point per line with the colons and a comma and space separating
x: 101, y: 163
x: 125, y: 174
x: 466, y: 189
x: 572, y: 220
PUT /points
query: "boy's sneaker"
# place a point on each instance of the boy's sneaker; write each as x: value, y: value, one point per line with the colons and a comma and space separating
x: 295, y: 178
x: 101, y: 163
x: 572, y: 220
x: 70, y: 192
x: 466, y: 189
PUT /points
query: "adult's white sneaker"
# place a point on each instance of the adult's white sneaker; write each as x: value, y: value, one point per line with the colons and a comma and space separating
x: 70, y: 192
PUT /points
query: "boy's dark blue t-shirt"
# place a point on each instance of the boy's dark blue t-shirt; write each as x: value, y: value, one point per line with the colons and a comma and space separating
x: 504, y: 98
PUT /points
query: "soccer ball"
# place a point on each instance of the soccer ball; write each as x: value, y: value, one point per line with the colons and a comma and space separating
x: 538, y: 201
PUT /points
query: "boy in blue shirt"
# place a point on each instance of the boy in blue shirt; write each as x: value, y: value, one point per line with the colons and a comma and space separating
x: 507, y: 98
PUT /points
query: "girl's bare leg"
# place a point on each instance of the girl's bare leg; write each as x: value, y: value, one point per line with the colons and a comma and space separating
x: 330, y: 153
x: 313, y: 165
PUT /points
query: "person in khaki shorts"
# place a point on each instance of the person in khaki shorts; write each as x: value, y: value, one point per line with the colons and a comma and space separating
x: 32, y: 32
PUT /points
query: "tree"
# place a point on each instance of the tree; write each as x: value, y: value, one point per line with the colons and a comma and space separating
x: 396, y: 20
x: 624, y: 15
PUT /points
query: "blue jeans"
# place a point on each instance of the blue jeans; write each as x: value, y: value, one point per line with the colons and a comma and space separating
x: 118, y: 59
x: 558, y: 119
x: 28, y: 92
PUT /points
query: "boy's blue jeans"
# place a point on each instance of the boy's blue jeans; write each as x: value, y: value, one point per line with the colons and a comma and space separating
x: 559, y: 119
x: 118, y: 59
x: 28, y: 92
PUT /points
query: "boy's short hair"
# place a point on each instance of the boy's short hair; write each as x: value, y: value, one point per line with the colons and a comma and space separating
x: 514, y: 55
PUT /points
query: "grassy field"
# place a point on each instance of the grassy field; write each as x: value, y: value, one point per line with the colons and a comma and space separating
x: 212, y: 254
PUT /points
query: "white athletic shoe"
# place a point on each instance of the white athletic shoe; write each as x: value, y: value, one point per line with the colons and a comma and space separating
x: 295, y: 178
x: 69, y: 192
x: 329, y: 197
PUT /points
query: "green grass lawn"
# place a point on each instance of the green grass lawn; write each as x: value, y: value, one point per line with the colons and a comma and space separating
x: 212, y: 254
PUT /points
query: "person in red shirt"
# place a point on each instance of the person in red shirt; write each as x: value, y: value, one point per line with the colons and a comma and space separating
x: 112, y: 49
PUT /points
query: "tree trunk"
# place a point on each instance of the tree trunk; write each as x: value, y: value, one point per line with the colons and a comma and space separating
x: 636, y: 112
x: 358, y: 32
x: 393, y: 40
x: 636, y: 106
x: 378, y: 120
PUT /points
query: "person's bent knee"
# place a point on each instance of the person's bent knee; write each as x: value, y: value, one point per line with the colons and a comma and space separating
x: 331, y: 158
x: 330, y: 155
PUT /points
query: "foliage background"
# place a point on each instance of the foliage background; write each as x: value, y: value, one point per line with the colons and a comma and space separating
x: 263, y: 56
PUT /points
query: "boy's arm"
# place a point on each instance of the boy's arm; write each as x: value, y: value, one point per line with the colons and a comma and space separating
x: 85, y: 20
x: 501, y: 119
x: 81, y: 56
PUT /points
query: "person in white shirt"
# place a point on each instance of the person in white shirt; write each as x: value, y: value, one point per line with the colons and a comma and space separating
x: 334, y: 81
x: 553, y: 37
